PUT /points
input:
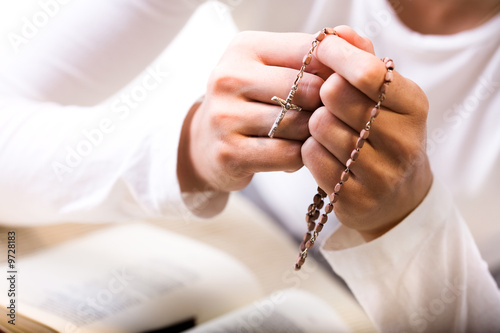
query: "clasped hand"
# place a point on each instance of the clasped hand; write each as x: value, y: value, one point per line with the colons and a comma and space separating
x: 224, y: 139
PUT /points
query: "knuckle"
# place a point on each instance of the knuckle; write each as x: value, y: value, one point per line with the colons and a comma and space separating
x: 223, y: 78
x: 231, y: 163
x: 220, y: 120
x: 311, y: 85
x: 225, y: 157
x: 366, y: 44
x: 303, y: 128
x: 243, y: 38
x: 329, y: 88
x: 308, y: 151
x: 316, y: 121
x: 368, y: 73
x: 222, y: 81
x: 424, y: 106
x: 420, y: 102
x: 295, y: 157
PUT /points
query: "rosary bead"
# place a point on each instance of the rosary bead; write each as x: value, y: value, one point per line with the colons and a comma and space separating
x: 349, y: 163
x: 302, y: 246
x: 311, y: 208
x: 388, y: 76
x: 389, y: 64
x: 364, y: 134
x: 329, y: 31
x: 335, y: 198
x: 310, y: 226
x: 360, y: 143
x: 329, y: 208
x: 317, y: 199
x: 307, y: 236
x: 320, y: 205
x: 354, y: 154
x: 375, y: 112
x: 383, y: 90
x: 344, y: 177
x: 309, y: 218
x: 309, y: 244
x: 337, y: 188
x: 307, y: 59
x: 320, y: 35
x: 321, y: 192
x: 316, y: 215
x: 318, y: 228
x: 323, y: 219
x: 300, y: 260
x: 297, y: 267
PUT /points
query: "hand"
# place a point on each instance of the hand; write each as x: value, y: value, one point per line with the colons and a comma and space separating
x: 391, y: 175
x: 224, y: 139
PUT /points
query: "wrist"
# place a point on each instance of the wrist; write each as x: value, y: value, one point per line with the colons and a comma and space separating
x: 198, y: 196
x: 189, y: 178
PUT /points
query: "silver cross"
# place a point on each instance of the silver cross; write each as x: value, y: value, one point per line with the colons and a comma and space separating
x: 285, y: 106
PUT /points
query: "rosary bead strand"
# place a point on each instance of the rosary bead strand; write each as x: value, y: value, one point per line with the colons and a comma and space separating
x: 286, y: 104
x: 313, y: 211
x: 310, y: 238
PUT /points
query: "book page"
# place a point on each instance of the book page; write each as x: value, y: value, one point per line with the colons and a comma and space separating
x: 270, y: 253
x: 129, y: 278
x: 290, y: 311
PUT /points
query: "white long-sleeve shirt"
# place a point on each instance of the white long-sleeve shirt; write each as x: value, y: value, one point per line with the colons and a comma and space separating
x: 78, y: 142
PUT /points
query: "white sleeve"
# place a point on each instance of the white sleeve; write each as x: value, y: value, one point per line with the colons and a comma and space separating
x: 83, y: 51
x: 111, y: 161
x: 424, y: 275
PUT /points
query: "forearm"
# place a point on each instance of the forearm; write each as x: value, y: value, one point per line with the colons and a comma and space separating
x: 53, y: 159
x: 83, y: 164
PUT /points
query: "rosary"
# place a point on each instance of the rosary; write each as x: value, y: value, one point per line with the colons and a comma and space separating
x: 313, y: 211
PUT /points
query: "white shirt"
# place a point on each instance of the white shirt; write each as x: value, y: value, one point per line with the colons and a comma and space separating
x: 77, y: 143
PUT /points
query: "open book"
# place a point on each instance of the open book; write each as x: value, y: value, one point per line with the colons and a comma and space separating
x: 139, y: 277
x: 290, y: 311
x: 233, y: 273
x: 129, y: 278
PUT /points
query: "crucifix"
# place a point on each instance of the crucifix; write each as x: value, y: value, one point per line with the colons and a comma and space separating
x: 285, y: 106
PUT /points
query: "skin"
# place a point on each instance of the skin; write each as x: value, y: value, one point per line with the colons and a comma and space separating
x: 224, y: 138
x: 444, y: 17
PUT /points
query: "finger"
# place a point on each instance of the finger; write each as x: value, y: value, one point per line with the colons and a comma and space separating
x: 281, y: 49
x: 346, y: 102
x: 257, y: 118
x: 265, y: 154
x: 324, y: 166
x: 349, y: 35
x: 327, y: 171
x: 270, y: 81
x: 366, y: 72
x: 353, y: 108
x: 336, y: 136
x: 370, y: 164
x: 330, y: 174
